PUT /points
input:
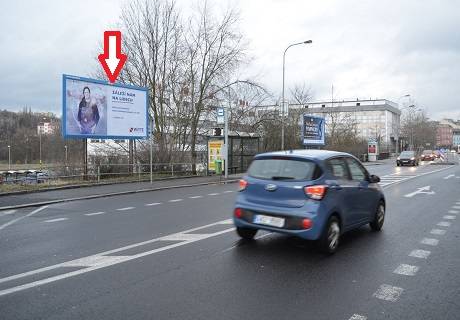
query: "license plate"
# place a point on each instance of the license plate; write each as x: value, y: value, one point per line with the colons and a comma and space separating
x: 269, y: 221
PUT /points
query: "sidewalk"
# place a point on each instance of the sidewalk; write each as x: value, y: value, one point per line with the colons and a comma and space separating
x: 11, y: 201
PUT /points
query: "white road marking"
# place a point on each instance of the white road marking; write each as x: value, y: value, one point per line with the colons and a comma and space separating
x: 443, y: 224
x: 9, y: 223
x: 125, y: 209
x: 195, y: 197
x: 213, y: 194
x: 184, y: 237
x: 7, y: 212
x: 456, y: 207
x: 228, y: 221
x: 406, y: 270
x: 357, y: 317
x: 421, y: 254
x: 153, y: 204
x: 422, y: 190
x: 229, y: 191
x: 409, y: 177
x: 94, y: 213
x: 105, y: 259
x: 176, y: 200
x: 388, y: 293
x: 56, y: 220
x: 449, y: 217
x: 453, y: 211
x: 449, y: 176
x: 430, y: 241
x: 438, y: 232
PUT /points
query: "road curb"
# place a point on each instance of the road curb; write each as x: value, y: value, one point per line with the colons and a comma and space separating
x: 112, y: 194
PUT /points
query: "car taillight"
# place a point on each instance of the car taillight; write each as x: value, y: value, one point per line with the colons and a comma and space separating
x: 243, y: 185
x: 316, y: 192
x: 307, y: 223
x: 238, y: 212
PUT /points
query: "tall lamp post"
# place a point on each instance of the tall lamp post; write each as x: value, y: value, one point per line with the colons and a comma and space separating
x: 282, y: 98
x: 9, y: 157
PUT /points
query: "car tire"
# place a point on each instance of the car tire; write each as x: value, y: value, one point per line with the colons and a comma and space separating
x: 330, y: 238
x: 379, y: 218
x: 246, y: 233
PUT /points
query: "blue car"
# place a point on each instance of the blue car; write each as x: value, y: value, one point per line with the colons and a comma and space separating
x: 311, y: 194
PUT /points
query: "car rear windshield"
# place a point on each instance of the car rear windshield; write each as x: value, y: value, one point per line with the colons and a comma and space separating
x: 407, y: 154
x: 284, y: 169
x: 427, y: 151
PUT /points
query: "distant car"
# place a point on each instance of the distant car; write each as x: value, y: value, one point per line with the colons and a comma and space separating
x: 407, y: 157
x: 311, y: 194
x: 428, y: 155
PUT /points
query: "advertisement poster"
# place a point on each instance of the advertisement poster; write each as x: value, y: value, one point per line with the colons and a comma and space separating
x: 96, y: 109
x: 214, y: 153
x: 313, y: 130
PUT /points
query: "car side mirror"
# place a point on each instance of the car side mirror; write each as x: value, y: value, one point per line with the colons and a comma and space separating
x: 374, y: 179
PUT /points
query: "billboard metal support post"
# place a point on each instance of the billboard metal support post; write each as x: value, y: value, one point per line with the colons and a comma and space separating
x: 151, y: 151
x: 85, y: 160
x: 226, y: 134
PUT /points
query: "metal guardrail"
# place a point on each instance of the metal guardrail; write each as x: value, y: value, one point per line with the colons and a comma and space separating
x: 98, y: 173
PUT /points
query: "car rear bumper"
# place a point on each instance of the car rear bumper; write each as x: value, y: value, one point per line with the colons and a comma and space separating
x: 293, y: 219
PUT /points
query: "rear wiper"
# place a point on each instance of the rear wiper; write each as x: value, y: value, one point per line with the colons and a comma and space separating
x: 282, y: 178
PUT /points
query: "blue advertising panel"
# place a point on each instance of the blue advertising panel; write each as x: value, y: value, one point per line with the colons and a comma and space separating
x: 313, y: 130
x: 96, y: 109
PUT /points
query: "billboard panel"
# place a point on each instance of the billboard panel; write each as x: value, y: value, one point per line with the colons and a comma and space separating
x: 96, y: 109
x: 313, y: 130
x: 214, y: 153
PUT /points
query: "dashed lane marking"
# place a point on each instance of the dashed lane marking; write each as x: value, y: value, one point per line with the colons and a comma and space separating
x: 7, y: 212
x: 229, y: 191
x: 56, y: 220
x: 94, y: 213
x: 388, y: 293
x: 421, y: 254
x: 152, y: 204
x: 357, y: 317
x: 195, y: 197
x: 443, y: 224
x: 430, y: 241
x: 453, y: 211
x: 438, y: 232
x: 213, y: 194
x: 456, y: 207
x: 176, y: 200
x: 449, y: 217
x: 406, y: 270
x: 9, y: 223
x: 126, y: 209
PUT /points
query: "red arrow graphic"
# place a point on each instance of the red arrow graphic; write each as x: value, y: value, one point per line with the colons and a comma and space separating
x: 112, y: 60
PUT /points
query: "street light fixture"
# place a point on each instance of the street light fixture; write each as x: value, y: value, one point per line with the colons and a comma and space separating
x: 282, y: 98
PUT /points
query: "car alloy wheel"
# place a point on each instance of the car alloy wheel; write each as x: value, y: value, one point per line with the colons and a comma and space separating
x: 379, y: 219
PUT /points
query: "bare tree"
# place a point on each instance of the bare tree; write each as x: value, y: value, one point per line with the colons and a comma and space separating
x: 214, y: 50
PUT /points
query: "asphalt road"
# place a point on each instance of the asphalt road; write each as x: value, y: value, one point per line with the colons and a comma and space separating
x: 173, y: 254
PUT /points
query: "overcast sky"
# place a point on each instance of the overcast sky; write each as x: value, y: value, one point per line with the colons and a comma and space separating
x: 366, y: 49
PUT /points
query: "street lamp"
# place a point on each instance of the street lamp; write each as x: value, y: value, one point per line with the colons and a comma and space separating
x: 9, y: 157
x: 282, y: 98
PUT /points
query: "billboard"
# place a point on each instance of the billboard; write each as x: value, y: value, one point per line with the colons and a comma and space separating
x: 214, y: 153
x: 313, y: 130
x: 96, y: 109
